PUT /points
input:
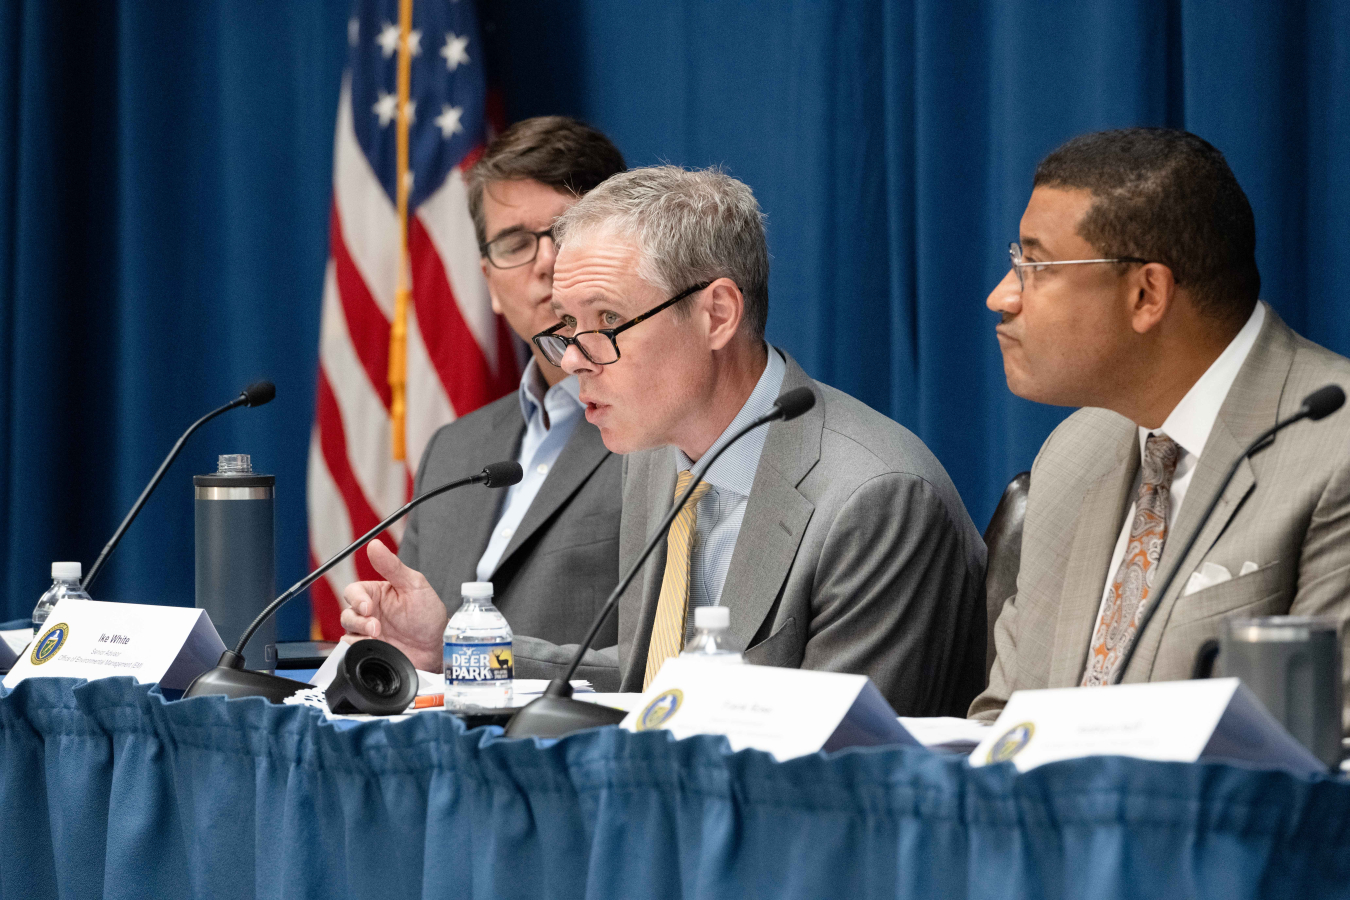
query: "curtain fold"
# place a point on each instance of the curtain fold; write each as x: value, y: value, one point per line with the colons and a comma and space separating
x: 119, y: 794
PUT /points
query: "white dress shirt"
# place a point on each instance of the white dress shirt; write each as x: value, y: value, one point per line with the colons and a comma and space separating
x: 549, y: 423
x: 1189, y: 425
x: 722, y: 509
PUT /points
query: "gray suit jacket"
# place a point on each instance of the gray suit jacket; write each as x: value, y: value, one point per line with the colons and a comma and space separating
x: 1287, y: 510
x: 563, y: 561
x: 855, y: 555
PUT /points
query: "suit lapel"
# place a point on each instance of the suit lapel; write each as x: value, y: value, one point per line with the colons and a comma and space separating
x: 482, y: 505
x: 1252, y: 406
x: 583, y: 452
x: 775, y: 516
x: 1095, y: 534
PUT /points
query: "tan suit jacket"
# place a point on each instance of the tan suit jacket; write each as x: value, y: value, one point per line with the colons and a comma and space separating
x: 1287, y: 509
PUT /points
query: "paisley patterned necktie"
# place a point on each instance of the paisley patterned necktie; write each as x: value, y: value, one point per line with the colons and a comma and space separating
x: 673, y: 606
x: 1129, y: 596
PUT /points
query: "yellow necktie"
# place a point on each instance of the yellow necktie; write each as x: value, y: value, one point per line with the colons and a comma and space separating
x: 673, y: 607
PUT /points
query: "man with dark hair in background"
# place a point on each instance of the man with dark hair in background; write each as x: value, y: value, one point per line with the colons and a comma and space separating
x: 549, y: 544
x: 1134, y: 292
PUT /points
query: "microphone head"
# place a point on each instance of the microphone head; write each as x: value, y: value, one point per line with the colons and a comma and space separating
x: 1323, y: 402
x: 795, y: 402
x: 502, y: 474
x: 258, y: 393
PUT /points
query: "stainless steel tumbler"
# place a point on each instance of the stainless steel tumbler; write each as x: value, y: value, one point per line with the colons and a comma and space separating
x: 1293, y: 666
x: 236, y: 551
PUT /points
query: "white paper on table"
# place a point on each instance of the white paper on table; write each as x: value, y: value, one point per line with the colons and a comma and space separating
x: 947, y: 732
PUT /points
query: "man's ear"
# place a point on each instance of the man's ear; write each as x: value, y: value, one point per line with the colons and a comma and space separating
x: 1154, y: 291
x: 724, y: 304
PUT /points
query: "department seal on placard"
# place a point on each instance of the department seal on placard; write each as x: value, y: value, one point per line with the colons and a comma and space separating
x: 1011, y: 744
x: 52, y: 640
x: 659, y: 711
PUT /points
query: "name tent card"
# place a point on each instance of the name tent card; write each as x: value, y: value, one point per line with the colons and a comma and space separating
x: 1210, y: 720
x: 785, y: 712
x: 95, y: 639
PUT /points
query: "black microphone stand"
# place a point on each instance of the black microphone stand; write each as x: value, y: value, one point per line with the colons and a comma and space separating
x: 254, y: 395
x: 556, y: 713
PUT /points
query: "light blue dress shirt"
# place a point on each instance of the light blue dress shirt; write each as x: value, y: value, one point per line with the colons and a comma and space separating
x: 730, y: 479
x: 539, y: 450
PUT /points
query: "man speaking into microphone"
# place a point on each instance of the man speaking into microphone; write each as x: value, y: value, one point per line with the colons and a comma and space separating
x: 836, y: 539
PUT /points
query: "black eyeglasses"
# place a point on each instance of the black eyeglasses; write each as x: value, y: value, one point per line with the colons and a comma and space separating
x: 515, y: 248
x: 601, y: 346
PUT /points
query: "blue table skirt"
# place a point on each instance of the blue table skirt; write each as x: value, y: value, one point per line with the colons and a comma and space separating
x: 109, y: 790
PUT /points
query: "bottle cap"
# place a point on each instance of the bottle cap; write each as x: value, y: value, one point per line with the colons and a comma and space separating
x: 478, y: 590
x: 712, y: 617
x: 234, y: 464
x: 66, y: 570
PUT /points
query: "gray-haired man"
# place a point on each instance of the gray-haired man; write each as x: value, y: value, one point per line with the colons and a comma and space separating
x: 836, y: 540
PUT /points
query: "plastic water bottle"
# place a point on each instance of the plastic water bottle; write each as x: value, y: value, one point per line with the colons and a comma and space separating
x: 65, y: 583
x: 479, y: 667
x: 710, y: 639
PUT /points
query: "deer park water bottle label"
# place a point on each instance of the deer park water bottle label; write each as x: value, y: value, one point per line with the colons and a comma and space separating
x: 478, y: 663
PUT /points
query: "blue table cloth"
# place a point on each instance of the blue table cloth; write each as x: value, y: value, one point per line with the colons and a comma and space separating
x: 109, y: 790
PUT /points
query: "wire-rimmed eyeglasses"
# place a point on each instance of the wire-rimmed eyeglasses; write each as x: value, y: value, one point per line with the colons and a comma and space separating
x: 1025, y: 270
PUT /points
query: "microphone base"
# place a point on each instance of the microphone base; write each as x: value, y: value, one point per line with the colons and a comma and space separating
x: 236, y: 683
x: 554, y: 717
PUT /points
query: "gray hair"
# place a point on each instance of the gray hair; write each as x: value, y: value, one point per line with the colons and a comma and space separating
x: 689, y: 227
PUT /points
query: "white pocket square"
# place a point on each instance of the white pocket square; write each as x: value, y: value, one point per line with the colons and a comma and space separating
x: 1211, y: 574
x: 1206, y: 576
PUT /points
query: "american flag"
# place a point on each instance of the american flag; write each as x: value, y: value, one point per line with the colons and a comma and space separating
x: 459, y: 354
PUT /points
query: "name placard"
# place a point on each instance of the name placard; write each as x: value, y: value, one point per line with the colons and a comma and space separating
x: 95, y: 639
x: 785, y: 712
x: 1213, y: 720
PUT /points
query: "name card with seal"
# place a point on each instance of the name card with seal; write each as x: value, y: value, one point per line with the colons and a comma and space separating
x: 785, y: 712
x: 1210, y: 720
x: 95, y: 639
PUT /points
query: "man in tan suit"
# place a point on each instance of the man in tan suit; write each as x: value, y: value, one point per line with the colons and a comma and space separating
x: 1134, y: 293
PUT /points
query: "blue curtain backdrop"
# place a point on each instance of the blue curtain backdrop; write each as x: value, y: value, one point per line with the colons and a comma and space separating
x: 164, y: 179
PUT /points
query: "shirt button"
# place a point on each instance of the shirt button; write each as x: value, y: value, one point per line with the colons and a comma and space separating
x: 542, y: 469
x: 506, y: 532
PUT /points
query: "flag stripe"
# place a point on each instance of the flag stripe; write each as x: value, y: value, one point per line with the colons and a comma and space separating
x: 367, y: 441
x: 451, y: 346
x: 367, y: 324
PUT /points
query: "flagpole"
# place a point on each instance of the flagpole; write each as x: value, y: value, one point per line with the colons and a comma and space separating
x: 398, y: 332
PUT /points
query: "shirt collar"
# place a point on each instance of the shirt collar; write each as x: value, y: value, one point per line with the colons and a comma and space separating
x: 561, y: 400
x: 735, y: 471
x: 1191, y: 421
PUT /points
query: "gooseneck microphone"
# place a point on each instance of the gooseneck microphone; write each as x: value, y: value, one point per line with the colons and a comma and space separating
x: 555, y: 713
x: 230, y: 678
x: 1318, y: 405
x: 255, y: 394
